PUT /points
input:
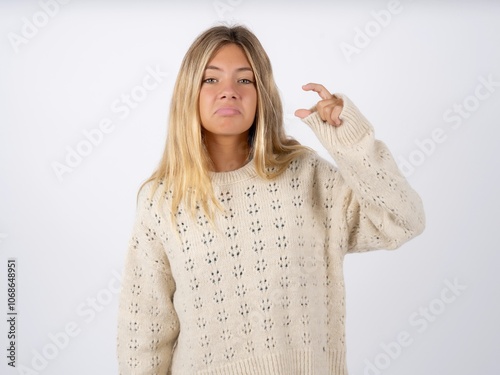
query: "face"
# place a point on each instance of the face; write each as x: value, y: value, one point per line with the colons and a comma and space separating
x: 228, y: 97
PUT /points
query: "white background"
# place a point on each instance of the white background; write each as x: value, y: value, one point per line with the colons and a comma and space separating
x: 69, y: 234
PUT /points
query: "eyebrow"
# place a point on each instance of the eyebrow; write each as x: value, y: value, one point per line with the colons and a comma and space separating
x: 245, y: 68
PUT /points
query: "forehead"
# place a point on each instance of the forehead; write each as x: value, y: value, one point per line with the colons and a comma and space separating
x: 229, y: 54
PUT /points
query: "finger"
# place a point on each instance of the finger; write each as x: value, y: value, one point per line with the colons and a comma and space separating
x: 333, y: 102
x: 335, y: 115
x: 330, y: 110
x: 325, y: 110
x: 320, y: 89
x: 302, y: 113
x: 324, y: 113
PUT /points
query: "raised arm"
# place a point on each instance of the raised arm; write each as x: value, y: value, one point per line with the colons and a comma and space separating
x: 382, y: 210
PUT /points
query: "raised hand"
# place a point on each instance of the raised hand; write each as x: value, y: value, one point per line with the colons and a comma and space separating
x: 329, y: 107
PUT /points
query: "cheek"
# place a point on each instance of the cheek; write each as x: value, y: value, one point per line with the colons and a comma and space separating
x: 203, y: 105
x: 255, y: 107
x: 252, y: 101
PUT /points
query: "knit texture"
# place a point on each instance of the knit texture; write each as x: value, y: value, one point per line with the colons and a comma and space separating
x: 263, y: 292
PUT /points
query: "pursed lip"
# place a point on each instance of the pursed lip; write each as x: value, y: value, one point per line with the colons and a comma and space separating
x: 227, y: 111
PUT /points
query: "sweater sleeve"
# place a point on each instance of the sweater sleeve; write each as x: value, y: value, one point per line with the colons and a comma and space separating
x: 147, y: 322
x: 381, y: 210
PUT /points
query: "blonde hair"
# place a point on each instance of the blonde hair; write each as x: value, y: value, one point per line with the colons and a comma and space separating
x: 185, y: 164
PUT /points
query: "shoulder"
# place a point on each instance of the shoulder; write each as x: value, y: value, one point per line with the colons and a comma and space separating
x: 151, y: 193
x: 321, y: 174
x: 311, y: 162
x: 144, y: 194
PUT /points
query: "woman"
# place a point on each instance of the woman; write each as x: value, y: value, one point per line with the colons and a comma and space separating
x: 235, y: 262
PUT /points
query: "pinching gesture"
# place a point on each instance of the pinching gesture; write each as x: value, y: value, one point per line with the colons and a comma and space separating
x: 328, y: 108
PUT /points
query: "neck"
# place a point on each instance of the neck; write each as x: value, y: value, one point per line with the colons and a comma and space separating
x: 228, y: 153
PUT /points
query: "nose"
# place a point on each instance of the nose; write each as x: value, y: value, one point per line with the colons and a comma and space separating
x: 228, y: 91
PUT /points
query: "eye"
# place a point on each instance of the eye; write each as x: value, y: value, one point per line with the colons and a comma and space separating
x: 245, y: 81
x: 209, y: 80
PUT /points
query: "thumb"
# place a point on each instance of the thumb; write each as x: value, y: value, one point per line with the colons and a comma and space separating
x: 302, y: 113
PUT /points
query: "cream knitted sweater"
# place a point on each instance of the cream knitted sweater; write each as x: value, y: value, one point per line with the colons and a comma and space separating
x: 264, y: 294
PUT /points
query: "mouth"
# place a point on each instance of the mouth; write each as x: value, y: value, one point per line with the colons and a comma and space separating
x: 227, y: 111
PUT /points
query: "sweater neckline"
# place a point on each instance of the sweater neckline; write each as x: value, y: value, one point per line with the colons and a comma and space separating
x: 245, y: 172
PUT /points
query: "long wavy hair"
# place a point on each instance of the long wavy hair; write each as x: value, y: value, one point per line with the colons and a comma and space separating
x: 185, y: 165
